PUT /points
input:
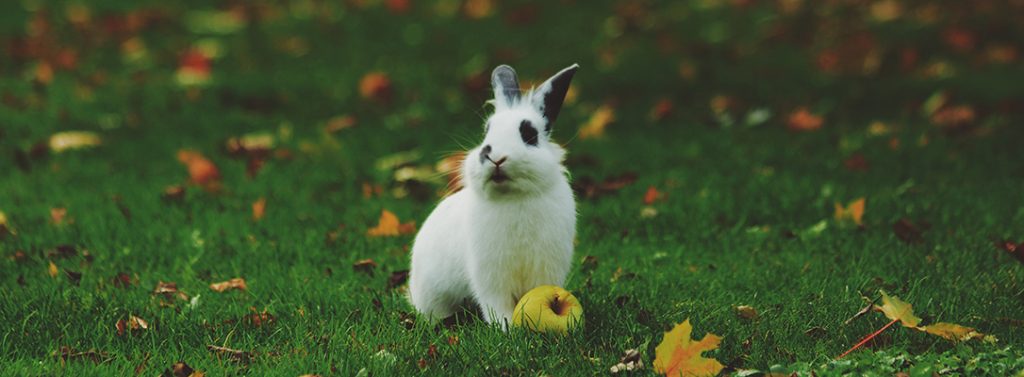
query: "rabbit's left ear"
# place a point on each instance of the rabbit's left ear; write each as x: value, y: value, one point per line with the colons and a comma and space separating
x: 548, y: 97
x: 506, y: 86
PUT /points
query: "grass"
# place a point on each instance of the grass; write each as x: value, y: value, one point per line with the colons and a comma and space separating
x: 737, y: 226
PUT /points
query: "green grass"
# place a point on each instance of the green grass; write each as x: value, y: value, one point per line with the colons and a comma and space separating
x: 735, y: 228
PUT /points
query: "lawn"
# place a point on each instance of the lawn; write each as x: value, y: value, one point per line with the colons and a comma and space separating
x: 725, y: 136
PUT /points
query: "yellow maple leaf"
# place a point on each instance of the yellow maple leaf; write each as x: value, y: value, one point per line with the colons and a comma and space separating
x: 598, y: 122
x: 678, y: 355
x: 897, y: 309
x: 853, y: 212
x: 52, y: 270
x: 953, y: 331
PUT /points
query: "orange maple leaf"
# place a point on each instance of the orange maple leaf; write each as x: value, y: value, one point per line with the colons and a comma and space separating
x: 259, y: 208
x: 388, y: 225
x: 802, y: 120
x: 678, y: 355
x: 853, y: 212
x: 201, y: 170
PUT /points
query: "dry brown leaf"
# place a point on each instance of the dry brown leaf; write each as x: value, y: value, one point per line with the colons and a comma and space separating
x: 595, y: 127
x: 259, y: 208
x: 201, y: 171
x: 365, y: 266
x: 236, y: 283
x: 180, y: 369
x: 169, y: 291
x: 746, y: 312
x: 133, y: 324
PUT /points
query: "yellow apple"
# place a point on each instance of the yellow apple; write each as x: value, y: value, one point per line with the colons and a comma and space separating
x: 548, y: 308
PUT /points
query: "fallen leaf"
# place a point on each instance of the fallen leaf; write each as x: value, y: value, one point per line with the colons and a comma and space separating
x: 5, y: 227
x: 365, y: 266
x: 398, y: 278
x: 477, y: 9
x: 194, y: 68
x: 256, y: 144
x: 908, y: 232
x: 856, y: 162
x: 896, y: 309
x: 661, y: 110
x: 236, y: 283
x: 595, y: 127
x: 678, y: 355
x: 73, y: 276
x: 952, y: 117
x: 18, y: 256
x: 201, y: 171
x: 1015, y: 249
x: 173, y: 193
x: 259, y: 319
x: 853, y: 212
x: 169, y: 291
x: 953, y: 331
x: 652, y: 195
x: 62, y: 252
x: 375, y: 86
x: 133, y: 323
x: 746, y: 312
x: 388, y: 225
x: 180, y: 369
x: 339, y: 123
x: 57, y: 215
x: 802, y: 120
x: 259, y: 208
x: 52, y: 270
x: 72, y: 140
x: 588, y: 188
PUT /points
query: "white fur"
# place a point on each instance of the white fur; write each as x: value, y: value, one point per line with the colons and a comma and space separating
x: 493, y: 242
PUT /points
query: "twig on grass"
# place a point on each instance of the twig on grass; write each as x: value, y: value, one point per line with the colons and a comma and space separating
x: 867, y: 339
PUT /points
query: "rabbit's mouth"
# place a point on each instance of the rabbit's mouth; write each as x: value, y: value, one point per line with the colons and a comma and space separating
x: 499, y: 177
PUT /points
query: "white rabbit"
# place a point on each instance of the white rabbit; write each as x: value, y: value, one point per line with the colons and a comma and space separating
x: 512, y: 227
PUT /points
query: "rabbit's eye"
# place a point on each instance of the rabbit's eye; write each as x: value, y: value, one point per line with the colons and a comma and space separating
x: 528, y: 133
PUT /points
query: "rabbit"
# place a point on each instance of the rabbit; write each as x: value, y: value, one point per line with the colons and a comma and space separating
x: 511, y: 228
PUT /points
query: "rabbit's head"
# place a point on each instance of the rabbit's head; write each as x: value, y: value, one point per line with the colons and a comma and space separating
x: 517, y: 156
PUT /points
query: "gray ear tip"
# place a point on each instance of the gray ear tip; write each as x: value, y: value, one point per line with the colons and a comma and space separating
x: 503, y: 69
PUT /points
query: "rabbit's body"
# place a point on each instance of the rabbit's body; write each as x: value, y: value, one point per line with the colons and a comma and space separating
x: 512, y: 228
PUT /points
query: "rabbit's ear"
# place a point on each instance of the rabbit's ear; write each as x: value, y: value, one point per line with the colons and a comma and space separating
x: 548, y: 97
x: 506, y: 86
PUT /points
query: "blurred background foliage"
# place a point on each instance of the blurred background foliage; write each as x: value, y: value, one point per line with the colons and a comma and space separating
x: 110, y: 64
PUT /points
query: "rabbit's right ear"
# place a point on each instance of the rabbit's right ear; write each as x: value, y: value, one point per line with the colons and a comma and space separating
x: 506, y: 86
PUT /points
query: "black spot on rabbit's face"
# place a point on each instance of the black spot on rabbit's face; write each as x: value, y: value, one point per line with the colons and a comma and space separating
x: 528, y: 133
